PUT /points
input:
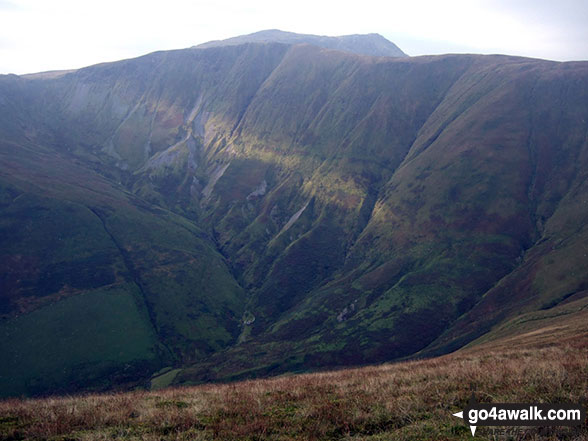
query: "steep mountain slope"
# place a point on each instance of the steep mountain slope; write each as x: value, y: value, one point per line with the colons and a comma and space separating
x: 274, y: 207
x: 98, y: 287
x: 364, y: 44
x: 490, y: 171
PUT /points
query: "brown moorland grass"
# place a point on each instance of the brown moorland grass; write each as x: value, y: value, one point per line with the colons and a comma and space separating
x: 402, y: 401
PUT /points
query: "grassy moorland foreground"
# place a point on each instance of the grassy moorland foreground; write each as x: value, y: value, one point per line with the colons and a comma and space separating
x: 546, y: 360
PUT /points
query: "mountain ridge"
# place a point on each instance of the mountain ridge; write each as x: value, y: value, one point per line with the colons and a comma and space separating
x: 356, y: 208
x: 362, y: 44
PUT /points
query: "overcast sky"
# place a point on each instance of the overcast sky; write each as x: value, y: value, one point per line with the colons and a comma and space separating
x: 39, y: 35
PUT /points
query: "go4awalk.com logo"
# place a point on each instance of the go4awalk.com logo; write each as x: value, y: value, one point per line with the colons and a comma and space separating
x: 510, y: 414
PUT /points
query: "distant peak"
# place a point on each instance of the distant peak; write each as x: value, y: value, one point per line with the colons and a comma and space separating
x: 363, y: 44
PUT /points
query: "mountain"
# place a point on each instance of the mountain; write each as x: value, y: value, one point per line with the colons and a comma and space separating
x: 246, y: 210
x: 362, y: 44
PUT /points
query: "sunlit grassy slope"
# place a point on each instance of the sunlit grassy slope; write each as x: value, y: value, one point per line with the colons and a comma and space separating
x: 546, y: 360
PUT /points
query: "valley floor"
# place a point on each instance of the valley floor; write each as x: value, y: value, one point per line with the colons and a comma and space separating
x: 411, y: 400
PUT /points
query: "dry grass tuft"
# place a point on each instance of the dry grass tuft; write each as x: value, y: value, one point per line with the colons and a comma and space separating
x: 401, y: 401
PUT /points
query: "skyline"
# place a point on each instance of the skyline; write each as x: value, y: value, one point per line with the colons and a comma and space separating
x: 39, y: 36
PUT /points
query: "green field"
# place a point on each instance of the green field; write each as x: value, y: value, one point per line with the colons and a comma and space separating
x: 85, y: 339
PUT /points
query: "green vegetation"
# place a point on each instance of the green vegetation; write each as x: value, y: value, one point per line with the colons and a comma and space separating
x: 81, y: 340
x: 163, y: 379
x: 99, y: 288
x: 403, y: 401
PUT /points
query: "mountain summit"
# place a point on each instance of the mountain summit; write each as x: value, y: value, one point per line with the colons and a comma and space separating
x: 363, y: 44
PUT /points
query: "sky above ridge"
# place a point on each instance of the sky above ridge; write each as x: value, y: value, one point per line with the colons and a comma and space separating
x: 41, y: 35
